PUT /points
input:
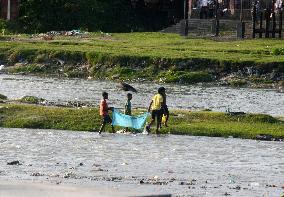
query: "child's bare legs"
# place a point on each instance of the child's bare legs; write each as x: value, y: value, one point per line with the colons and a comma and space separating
x: 158, y: 123
x: 167, y: 118
x: 102, y: 127
x: 148, y: 127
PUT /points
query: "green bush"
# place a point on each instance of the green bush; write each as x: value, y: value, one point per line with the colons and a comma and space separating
x: 238, y: 83
x: 185, y: 77
x: 122, y: 72
x: 92, y: 15
x: 30, y: 68
x: 278, y: 51
x: 31, y: 100
x: 3, y: 97
x: 3, y: 26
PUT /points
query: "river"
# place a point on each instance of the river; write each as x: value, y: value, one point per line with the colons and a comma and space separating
x: 178, y: 165
x: 191, y: 97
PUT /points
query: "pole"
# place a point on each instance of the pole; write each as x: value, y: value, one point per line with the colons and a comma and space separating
x: 280, y: 24
x: 241, y: 14
x: 253, y: 20
x: 273, y: 24
x: 185, y: 18
x: 9, y: 10
x: 217, y: 24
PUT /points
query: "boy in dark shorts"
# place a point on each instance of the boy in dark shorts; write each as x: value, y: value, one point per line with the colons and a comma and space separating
x: 164, y: 109
x: 127, y: 107
x: 156, y: 106
x: 104, y: 113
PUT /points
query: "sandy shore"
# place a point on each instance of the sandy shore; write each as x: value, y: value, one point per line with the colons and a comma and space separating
x: 26, y: 189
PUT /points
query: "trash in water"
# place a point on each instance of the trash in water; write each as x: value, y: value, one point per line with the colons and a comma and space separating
x: 254, y: 184
x: 1, y: 67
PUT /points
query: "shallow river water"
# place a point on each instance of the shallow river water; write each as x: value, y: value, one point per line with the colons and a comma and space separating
x: 179, y: 97
x: 178, y: 165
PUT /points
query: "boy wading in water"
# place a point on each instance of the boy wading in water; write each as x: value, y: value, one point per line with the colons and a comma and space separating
x: 156, y: 105
x: 127, y: 107
x: 104, y: 113
x: 164, y: 108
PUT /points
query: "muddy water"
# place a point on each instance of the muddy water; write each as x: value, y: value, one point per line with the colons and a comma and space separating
x: 181, y: 97
x: 180, y: 165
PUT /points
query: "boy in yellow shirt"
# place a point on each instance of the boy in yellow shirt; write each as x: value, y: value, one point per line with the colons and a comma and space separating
x: 156, y: 106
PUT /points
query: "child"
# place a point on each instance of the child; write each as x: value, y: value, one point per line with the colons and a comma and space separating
x: 104, y: 113
x: 127, y: 107
x: 156, y: 105
x: 165, y: 110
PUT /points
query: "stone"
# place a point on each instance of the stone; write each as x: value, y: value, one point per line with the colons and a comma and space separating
x: 14, y: 163
x: 264, y: 137
x: 36, y: 174
x: 127, y: 87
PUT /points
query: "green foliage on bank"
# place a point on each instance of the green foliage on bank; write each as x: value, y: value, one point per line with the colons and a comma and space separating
x: 31, y: 116
x: 154, y: 56
x: 31, y: 100
x: 214, y: 124
x: 91, y: 15
x: 185, y: 77
x: 3, y: 97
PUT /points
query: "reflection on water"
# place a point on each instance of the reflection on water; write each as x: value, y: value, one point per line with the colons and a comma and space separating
x: 181, y: 97
x: 181, y: 165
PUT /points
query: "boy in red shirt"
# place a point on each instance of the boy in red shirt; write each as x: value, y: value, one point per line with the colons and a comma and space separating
x: 104, y: 113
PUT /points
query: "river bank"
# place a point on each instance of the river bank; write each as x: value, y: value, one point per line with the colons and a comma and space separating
x: 156, y: 57
x: 182, y: 122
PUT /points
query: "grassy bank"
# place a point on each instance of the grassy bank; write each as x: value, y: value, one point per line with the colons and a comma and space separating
x: 181, y: 122
x: 152, y: 56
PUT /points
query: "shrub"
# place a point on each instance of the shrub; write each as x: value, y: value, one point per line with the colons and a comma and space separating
x: 238, y: 83
x: 185, y: 77
x: 31, y: 99
x: 278, y: 51
x: 3, y: 97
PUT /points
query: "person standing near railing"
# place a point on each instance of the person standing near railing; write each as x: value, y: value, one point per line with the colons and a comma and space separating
x: 278, y: 6
x: 203, y: 4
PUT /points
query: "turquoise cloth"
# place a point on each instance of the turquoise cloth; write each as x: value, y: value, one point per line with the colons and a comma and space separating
x: 136, y: 122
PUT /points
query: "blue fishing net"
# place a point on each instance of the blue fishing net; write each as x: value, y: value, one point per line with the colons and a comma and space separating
x: 136, y: 122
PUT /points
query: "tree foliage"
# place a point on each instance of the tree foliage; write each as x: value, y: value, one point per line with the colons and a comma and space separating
x: 91, y: 15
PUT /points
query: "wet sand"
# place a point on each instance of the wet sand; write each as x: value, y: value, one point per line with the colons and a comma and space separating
x: 28, y: 189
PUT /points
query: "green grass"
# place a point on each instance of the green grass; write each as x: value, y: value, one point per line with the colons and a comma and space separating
x: 158, y: 45
x: 152, y: 56
x: 214, y: 124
